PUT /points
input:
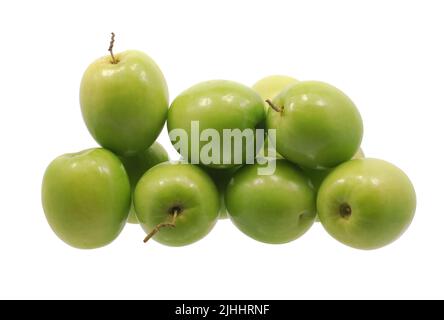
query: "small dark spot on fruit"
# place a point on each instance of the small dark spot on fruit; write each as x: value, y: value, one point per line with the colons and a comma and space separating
x: 345, y: 210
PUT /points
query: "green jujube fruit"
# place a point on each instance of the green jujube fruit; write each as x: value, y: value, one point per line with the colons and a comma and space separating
x: 317, y: 126
x: 124, y: 103
x: 217, y: 105
x: 276, y: 208
x: 86, y: 197
x: 181, y: 194
x: 366, y: 203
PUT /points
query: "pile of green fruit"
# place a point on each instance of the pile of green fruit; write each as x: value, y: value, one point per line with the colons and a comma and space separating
x: 320, y: 170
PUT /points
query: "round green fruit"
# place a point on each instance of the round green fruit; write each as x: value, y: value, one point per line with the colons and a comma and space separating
x: 317, y: 126
x: 179, y: 194
x: 366, y: 203
x: 137, y: 165
x: 86, y: 197
x: 275, y: 208
x: 124, y: 103
x: 216, y: 105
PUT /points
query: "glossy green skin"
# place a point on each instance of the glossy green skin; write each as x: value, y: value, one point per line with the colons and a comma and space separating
x: 86, y: 197
x: 269, y: 87
x: 319, y: 127
x: 217, y: 104
x: 169, y: 185
x: 381, y: 197
x: 273, y: 209
x: 124, y: 105
x: 221, y: 178
x: 137, y: 165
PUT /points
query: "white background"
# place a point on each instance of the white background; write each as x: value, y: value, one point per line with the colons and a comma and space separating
x: 386, y: 55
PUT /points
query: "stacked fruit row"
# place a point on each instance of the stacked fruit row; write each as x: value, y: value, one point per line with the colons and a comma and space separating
x: 311, y: 164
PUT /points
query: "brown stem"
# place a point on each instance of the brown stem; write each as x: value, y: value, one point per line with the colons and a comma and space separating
x: 273, y: 106
x: 110, y: 49
x: 157, y: 228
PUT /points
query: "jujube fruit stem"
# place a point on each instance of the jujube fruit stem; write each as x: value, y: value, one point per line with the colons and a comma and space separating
x: 110, y: 49
x: 156, y: 229
x: 273, y: 106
